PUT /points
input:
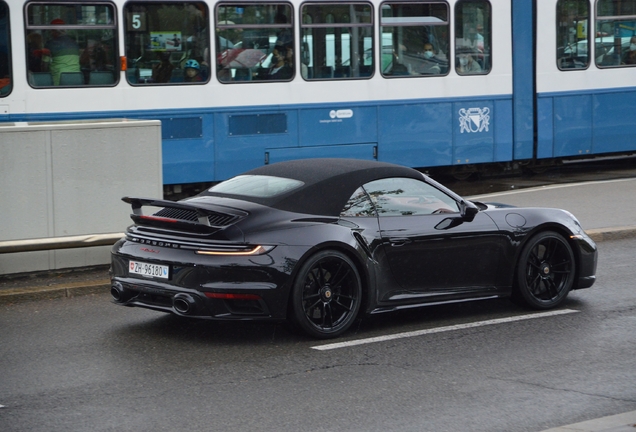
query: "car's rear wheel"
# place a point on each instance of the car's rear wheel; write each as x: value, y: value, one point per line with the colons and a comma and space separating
x: 326, y: 295
x: 545, y: 273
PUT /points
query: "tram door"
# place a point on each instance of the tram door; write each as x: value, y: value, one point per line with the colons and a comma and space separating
x: 452, y: 63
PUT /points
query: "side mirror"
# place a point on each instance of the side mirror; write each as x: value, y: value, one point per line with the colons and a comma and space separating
x: 468, y: 210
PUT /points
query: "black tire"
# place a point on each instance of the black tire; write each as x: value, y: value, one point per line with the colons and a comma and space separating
x: 545, y: 272
x: 326, y: 295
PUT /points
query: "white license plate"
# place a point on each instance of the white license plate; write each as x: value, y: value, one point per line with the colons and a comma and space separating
x: 148, y: 270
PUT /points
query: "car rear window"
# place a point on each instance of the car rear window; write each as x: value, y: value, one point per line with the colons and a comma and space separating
x: 257, y: 186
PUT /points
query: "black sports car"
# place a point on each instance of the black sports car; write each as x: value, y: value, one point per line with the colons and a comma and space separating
x: 317, y: 241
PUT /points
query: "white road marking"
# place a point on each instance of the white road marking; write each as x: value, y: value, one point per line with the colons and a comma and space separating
x: 546, y: 187
x: 442, y: 329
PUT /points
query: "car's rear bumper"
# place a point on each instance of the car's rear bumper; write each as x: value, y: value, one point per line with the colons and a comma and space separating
x: 222, y: 288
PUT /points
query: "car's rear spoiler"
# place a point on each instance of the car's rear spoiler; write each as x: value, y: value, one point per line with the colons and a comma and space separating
x: 185, y: 215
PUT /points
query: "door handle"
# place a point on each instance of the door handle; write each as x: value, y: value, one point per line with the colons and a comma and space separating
x: 397, y: 242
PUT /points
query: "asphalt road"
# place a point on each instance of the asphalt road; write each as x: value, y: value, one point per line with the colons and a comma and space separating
x: 84, y: 364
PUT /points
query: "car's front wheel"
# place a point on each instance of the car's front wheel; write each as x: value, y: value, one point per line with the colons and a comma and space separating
x: 545, y: 272
x: 326, y: 294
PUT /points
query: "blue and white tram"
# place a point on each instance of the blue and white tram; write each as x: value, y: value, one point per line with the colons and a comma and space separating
x: 442, y: 83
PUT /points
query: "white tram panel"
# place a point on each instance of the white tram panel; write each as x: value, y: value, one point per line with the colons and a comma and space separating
x: 551, y: 79
x: 126, y: 97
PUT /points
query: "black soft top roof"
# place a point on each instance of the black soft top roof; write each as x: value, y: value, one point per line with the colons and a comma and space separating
x: 328, y: 183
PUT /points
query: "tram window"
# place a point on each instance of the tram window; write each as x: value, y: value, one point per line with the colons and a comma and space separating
x: 573, y: 18
x: 167, y: 43
x: 415, y: 39
x: 254, y: 42
x: 473, y: 37
x: 5, y: 51
x: 336, y: 41
x: 615, y: 41
x: 71, y: 44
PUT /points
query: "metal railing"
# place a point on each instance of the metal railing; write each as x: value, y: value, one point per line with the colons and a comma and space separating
x: 50, y: 243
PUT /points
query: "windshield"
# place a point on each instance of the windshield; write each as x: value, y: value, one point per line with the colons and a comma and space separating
x: 258, y: 186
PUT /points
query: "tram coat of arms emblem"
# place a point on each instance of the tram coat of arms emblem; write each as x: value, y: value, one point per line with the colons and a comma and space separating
x: 474, y: 120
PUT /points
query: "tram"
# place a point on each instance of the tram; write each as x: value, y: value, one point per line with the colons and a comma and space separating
x: 459, y: 84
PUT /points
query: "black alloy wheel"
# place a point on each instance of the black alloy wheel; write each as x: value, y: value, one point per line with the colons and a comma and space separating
x: 326, y: 294
x: 546, y: 270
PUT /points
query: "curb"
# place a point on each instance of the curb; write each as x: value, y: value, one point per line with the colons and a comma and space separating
x: 102, y: 286
x: 20, y: 295
x: 616, y: 233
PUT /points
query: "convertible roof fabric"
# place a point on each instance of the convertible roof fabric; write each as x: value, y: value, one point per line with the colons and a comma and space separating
x: 328, y: 183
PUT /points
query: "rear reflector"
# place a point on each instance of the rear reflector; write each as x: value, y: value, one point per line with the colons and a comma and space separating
x: 160, y: 219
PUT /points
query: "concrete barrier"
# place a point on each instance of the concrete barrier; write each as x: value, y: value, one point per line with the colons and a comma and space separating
x: 60, y: 179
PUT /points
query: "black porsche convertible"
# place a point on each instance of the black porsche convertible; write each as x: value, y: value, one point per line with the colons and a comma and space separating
x: 318, y: 241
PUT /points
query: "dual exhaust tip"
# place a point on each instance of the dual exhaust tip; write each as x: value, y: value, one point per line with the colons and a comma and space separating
x: 120, y: 294
x: 184, y: 304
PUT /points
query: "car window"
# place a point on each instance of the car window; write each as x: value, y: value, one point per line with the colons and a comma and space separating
x: 573, y: 20
x: 167, y: 42
x: 336, y: 41
x: 415, y: 39
x: 408, y: 197
x: 257, y: 186
x: 71, y: 44
x: 473, y: 30
x: 615, y: 41
x: 254, y: 42
x: 359, y: 205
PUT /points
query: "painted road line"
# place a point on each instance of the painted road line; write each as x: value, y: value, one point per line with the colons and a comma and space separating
x: 441, y: 329
x: 625, y: 422
x: 547, y: 187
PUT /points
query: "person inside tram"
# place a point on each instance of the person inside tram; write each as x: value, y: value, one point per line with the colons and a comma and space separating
x: 162, y: 71
x: 192, y: 71
x: 466, y: 63
x: 282, y: 63
x: 478, y: 38
x: 39, y: 57
x: 629, y: 58
x: 431, y: 63
x: 65, y: 56
x: 283, y: 52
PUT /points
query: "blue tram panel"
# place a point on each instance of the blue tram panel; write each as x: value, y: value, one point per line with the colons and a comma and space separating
x: 416, y: 134
x: 614, y: 121
x: 424, y: 134
x: 331, y: 131
x: 565, y: 124
x: 357, y: 151
x: 187, y: 146
x: 572, y: 125
x: 473, y: 133
x: 340, y: 124
x: 580, y: 124
x: 241, y: 138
